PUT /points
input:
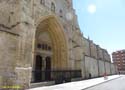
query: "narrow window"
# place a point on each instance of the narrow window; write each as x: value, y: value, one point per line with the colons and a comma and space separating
x: 61, y: 13
x: 49, y: 48
x: 52, y: 7
x: 38, y: 45
x: 42, y: 2
x: 43, y: 46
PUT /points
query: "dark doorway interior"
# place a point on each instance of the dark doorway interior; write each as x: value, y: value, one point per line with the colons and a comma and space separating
x: 38, y: 69
x: 48, y: 69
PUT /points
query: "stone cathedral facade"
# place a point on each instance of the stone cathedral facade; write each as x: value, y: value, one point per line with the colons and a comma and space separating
x: 40, y: 40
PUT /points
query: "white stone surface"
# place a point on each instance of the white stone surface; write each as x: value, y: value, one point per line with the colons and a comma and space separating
x: 77, y: 85
x: 91, y: 67
x: 101, y: 68
x: 108, y: 68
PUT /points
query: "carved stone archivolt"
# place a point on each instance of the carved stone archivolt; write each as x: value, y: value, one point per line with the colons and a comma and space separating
x: 59, y: 45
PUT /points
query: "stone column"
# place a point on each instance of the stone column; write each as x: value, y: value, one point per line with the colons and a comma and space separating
x: 43, y: 66
x: 23, y: 76
x: 44, y: 62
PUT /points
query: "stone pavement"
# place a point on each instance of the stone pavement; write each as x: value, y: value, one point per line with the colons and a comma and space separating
x: 78, y: 85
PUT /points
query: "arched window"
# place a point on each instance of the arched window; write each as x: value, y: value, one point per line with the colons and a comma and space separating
x: 52, y: 7
x: 42, y: 2
x: 49, y: 48
x: 43, y: 46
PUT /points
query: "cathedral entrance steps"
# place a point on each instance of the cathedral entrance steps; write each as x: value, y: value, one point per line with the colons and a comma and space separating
x: 40, y: 84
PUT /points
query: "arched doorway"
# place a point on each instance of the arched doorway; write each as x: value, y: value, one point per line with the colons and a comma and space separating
x: 48, y: 69
x: 38, y: 68
x: 51, y: 44
x: 42, y: 69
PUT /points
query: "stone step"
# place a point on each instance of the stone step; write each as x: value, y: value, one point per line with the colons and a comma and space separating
x: 34, y: 85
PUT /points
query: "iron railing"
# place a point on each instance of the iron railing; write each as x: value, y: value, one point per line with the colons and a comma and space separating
x: 55, y: 75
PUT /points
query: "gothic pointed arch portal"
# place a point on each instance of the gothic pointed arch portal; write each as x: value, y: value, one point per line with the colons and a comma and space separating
x: 58, y: 43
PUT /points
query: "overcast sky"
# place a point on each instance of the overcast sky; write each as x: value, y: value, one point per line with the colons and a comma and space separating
x: 103, y: 21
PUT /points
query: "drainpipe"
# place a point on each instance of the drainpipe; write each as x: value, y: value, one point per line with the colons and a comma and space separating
x: 104, y: 61
x: 98, y: 60
x: 84, y: 67
x: 110, y: 69
x: 89, y: 47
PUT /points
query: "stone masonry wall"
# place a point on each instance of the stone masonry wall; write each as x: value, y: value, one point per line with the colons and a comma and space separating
x: 16, y: 35
x: 108, y: 68
x: 101, y: 68
x: 91, y: 67
x: 9, y: 45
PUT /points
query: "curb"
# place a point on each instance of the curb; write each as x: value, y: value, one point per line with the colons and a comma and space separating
x: 102, y: 83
